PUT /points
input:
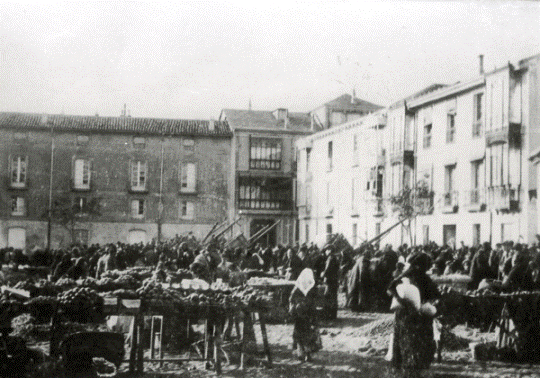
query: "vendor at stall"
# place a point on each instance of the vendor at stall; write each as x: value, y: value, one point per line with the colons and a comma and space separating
x: 106, y: 262
x: 292, y: 265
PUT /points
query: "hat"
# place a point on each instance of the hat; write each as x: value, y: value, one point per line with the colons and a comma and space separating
x: 305, y: 281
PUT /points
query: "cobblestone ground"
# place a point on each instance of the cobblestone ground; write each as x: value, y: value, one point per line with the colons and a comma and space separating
x: 347, y: 352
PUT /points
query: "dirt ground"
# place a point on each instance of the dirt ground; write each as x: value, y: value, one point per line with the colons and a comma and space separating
x: 354, y: 345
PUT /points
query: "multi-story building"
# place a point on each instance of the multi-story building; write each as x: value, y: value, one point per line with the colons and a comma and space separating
x: 334, y: 167
x: 474, y: 143
x: 340, y: 110
x: 467, y: 144
x: 151, y: 178
x: 264, y: 171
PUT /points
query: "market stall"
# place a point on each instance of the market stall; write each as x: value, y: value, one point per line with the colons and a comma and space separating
x: 515, y: 317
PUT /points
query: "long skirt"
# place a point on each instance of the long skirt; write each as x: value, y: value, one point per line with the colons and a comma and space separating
x: 305, y: 334
x: 414, y: 345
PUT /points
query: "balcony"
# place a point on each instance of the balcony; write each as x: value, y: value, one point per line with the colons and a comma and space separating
x: 402, y: 156
x: 424, y: 206
x: 378, y: 207
x: 450, y: 202
x: 511, y: 134
x: 503, y: 198
x: 476, y: 200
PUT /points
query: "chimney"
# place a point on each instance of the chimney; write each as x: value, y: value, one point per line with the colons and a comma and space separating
x: 280, y: 114
x: 353, y: 98
x: 44, y: 119
x: 212, y: 124
x: 481, y: 62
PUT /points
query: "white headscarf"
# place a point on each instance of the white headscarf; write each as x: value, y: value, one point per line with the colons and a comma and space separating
x: 305, y: 281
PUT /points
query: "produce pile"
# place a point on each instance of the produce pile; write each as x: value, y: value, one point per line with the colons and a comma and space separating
x: 82, y: 301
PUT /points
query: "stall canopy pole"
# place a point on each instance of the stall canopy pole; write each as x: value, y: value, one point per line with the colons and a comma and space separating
x: 266, y: 231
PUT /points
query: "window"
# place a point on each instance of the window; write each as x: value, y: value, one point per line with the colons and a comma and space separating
x: 18, y: 168
x: 449, y: 185
x: 187, y: 210
x: 308, y: 159
x: 425, y: 231
x: 449, y: 235
x: 354, y: 233
x: 476, y: 234
x: 330, y: 155
x: 81, y: 236
x: 139, y: 142
x: 307, y: 233
x: 82, y: 174
x: 477, y: 111
x: 82, y: 140
x: 266, y: 193
x: 17, y: 238
x: 137, y: 236
x: 138, y: 175
x: 189, y: 146
x: 328, y: 232
x: 427, y: 135
x: 308, y: 197
x: 137, y: 208
x: 476, y: 169
x: 450, y: 128
x: 188, y: 177
x: 80, y: 205
x: 19, y: 136
x: 17, y: 206
x: 265, y: 154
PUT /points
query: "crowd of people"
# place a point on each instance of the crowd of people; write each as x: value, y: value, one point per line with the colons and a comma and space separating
x: 368, y: 274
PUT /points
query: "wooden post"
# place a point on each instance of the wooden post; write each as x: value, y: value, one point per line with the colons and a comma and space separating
x: 206, y: 338
x: 161, y: 342
x: 140, y: 350
x: 266, y: 345
x: 133, y: 346
x: 217, y: 347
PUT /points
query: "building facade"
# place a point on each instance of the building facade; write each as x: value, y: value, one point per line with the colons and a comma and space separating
x: 340, y: 110
x: 467, y: 146
x: 110, y: 179
x: 263, y: 172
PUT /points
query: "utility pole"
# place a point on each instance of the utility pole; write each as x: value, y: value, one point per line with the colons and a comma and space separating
x: 160, y: 205
x: 49, y: 211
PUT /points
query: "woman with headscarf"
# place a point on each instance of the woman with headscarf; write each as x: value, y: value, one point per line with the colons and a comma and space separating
x: 414, y: 345
x: 303, y: 311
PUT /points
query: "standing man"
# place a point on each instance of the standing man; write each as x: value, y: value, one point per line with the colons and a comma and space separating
x: 330, y: 277
x: 107, y: 261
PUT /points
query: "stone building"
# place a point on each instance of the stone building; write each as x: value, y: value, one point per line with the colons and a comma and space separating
x: 118, y: 178
x: 263, y: 171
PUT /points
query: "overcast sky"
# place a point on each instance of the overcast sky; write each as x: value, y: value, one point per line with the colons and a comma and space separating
x: 191, y: 60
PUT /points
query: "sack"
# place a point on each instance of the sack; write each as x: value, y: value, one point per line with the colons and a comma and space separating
x: 428, y: 309
x: 408, y: 292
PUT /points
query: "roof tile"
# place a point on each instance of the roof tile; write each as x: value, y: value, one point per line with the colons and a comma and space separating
x: 155, y: 126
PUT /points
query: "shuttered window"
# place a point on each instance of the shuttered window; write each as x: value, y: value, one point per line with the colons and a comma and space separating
x: 82, y: 174
x: 188, y: 177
